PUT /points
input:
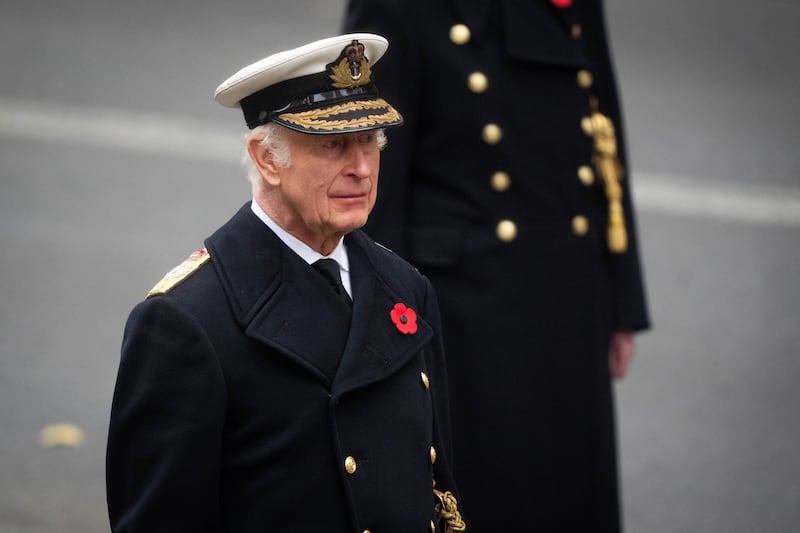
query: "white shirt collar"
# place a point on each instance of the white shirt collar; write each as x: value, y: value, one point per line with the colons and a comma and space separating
x: 308, y: 254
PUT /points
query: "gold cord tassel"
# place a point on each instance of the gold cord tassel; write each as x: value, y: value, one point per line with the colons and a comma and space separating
x: 447, y: 510
x: 610, y: 170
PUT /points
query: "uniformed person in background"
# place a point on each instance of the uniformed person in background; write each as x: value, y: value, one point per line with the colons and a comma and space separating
x: 508, y: 188
x: 260, y: 390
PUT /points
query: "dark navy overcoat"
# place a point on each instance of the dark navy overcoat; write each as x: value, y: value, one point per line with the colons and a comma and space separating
x: 490, y: 189
x: 248, y: 400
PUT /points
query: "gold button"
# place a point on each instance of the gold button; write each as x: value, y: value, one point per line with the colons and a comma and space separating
x: 425, y: 381
x: 367, y: 531
x: 350, y: 464
x: 580, y: 225
x: 585, y: 79
x: 492, y: 134
x: 433, y: 527
x: 478, y: 82
x: 501, y: 181
x: 506, y: 231
x: 586, y: 175
x: 433, y: 455
x: 586, y: 125
x: 576, y: 31
x: 460, y: 34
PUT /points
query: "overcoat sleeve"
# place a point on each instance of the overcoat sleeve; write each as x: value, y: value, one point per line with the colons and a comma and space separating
x: 627, y: 282
x: 166, y: 424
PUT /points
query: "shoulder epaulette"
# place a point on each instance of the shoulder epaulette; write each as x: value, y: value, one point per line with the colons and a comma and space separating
x: 382, y: 246
x: 180, y: 272
x: 379, y: 245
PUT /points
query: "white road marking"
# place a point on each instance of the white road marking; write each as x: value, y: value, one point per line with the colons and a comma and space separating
x: 731, y: 201
x: 677, y: 196
x: 118, y: 129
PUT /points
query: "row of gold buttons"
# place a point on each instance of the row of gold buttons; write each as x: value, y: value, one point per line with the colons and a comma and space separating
x: 506, y: 230
x: 584, y: 78
x: 492, y: 134
x: 350, y: 464
x: 580, y: 224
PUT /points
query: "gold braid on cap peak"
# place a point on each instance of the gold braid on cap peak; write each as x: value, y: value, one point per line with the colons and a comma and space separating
x: 447, y: 510
x: 315, y: 118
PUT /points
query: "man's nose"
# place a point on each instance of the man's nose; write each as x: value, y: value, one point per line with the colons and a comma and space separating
x: 359, y: 162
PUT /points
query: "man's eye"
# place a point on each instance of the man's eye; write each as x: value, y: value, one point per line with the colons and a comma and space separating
x: 333, y: 143
x: 366, y: 138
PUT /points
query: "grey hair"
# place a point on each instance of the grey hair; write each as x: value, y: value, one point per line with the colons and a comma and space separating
x: 276, y: 141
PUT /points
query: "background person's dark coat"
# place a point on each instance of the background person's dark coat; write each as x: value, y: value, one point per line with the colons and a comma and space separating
x: 528, y: 320
x: 230, y: 414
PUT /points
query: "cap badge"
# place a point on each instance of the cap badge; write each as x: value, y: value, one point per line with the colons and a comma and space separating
x: 351, y: 69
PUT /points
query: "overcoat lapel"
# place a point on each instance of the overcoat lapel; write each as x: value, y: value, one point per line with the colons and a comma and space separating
x: 376, y: 348
x: 304, y: 319
x: 567, y: 15
x: 278, y: 299
x: 551, y: 42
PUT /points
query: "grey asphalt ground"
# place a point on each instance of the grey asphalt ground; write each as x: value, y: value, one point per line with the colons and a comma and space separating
x: 115, y: 163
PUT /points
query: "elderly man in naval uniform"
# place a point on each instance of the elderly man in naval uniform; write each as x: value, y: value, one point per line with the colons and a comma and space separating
x: 289, y: 375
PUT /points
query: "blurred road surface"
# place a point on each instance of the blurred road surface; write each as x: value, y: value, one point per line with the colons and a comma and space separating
x: 115, y: 163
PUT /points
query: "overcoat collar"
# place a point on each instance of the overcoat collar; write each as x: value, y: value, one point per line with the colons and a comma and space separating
x: 279, y: 300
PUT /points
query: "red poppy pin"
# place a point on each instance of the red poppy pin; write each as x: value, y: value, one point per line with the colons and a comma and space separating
x: 404, y: 318
x: 562, y: 3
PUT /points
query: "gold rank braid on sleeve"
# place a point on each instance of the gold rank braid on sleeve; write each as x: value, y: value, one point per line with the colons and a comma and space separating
x: 447, y: 511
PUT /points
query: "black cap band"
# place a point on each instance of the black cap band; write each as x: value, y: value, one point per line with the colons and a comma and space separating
x: 264, y: 105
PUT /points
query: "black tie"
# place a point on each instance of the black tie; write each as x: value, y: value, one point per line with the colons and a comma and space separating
x: 329, y: 269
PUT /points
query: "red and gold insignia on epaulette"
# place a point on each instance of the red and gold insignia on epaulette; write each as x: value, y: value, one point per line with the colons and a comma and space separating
x: 180, y: 272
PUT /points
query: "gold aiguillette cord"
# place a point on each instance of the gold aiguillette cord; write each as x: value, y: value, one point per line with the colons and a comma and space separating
x: 609, y: 168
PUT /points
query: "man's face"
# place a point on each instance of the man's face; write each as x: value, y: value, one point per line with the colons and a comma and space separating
x: 331, y: 185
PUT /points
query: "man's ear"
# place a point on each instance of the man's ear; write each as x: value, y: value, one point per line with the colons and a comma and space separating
x: 262, y: 158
